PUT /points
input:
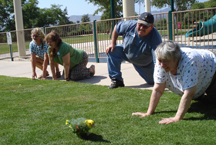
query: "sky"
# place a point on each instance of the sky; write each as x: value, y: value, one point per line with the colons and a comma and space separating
x: 82, y: 7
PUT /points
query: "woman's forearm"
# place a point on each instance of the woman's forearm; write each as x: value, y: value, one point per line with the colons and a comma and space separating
x: 66, y: 70
x: 33, y: 62
x: 185, y: 102
x: 66, y: 64
x: 52, y: 68
x: 45, y: 63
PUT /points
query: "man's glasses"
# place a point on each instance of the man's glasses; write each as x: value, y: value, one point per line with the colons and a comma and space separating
x: 142, y: 25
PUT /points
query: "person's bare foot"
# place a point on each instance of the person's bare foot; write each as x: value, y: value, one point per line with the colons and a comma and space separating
x: 92, y: 70
x: 41, y: 76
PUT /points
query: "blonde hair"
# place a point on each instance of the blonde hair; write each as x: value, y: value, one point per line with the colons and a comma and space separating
x: 40, y: 33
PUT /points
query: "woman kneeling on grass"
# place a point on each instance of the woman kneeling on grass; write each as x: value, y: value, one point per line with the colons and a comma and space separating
x: 187, y: 72
x: 39, y: 57
x: 73, y: 60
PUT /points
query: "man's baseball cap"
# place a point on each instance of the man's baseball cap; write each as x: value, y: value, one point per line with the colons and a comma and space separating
x: 146, y: 19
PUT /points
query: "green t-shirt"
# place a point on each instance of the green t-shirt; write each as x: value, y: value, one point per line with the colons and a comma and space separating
x: 76, y: 55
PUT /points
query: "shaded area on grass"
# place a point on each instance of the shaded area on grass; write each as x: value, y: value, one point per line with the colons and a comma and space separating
x: 205, y: 106
x: 93, y: 137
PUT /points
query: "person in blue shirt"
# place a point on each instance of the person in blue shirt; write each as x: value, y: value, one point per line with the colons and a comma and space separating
x: 39, y: 58
x: 140, y: 39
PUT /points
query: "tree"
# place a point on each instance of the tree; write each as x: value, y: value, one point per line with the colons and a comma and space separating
x: 6, y: 18
x: 105, y: 7
x: 59, y: 16
x: 52, y: 16
x: 32, y: 15
x: 85, y: 28
x: 178, y: 4
x: 85, y: 18
x: 198, y: 6
x: 210, y: 4
x: 205, y: 15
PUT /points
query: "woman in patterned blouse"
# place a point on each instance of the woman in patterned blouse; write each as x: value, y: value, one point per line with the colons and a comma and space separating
x: 39, y: 57
x: 187, y: 72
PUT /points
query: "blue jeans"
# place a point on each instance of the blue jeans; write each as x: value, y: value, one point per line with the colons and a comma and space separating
x: 114, y: 60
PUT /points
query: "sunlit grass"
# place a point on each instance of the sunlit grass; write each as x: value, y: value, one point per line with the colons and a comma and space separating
x: 34, y: 112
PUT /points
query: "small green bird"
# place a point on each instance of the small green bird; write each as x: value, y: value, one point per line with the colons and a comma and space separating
x: 80, y: 125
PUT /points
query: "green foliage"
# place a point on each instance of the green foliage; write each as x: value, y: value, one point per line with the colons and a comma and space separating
x: 191, y: 18
x: 178, y: 4
x: 32, y: 15
x: 34, y: 112
x: 6, y: 14
x: 207, y: 4
x: 52, y: 16
x: 198, y: 6
x: 105, y: 7
x: 210, y: 4
x: 85, y: 18
x: 161, y: 24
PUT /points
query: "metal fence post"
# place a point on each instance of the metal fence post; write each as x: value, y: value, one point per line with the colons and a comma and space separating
x: 44, y: 29
x: 170, y: 25
x: 95, y: 41
x: 112, y: 12
x: 170, y: 20
x: 11, y: 52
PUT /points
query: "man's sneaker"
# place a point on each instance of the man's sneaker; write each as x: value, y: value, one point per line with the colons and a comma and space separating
x: 116, y: 83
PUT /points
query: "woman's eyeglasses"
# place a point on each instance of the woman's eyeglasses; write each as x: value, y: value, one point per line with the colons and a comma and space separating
x: 35, y: 36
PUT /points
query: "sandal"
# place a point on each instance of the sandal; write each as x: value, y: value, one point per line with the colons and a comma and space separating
x: 92, y: 73
x: 58, y: 74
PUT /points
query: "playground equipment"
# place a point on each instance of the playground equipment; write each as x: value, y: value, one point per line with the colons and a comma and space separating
x: 203, y: 28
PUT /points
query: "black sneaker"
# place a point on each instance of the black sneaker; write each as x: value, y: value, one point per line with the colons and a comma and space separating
x: 116, y: 83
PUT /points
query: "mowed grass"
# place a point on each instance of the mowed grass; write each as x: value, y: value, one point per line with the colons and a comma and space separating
x: 34, y: 112
x: 5, y: 48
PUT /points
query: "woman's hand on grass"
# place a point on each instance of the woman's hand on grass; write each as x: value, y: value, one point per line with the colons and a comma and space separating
x: 34, y: 75
x: 141, y: 114
x: 168, y: 120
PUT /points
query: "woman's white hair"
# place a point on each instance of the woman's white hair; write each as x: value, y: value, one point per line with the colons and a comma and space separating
x: 168, y: 50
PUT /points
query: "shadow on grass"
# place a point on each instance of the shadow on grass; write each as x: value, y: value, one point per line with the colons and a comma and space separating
x: 92, y: 80
x: 165, y: 112
x: 93, y: 137
x: 144, y: 86
x: 204, y: 106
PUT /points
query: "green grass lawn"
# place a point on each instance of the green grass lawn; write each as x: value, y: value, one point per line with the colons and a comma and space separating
x: 34, y: 112
x: 5, y: 48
